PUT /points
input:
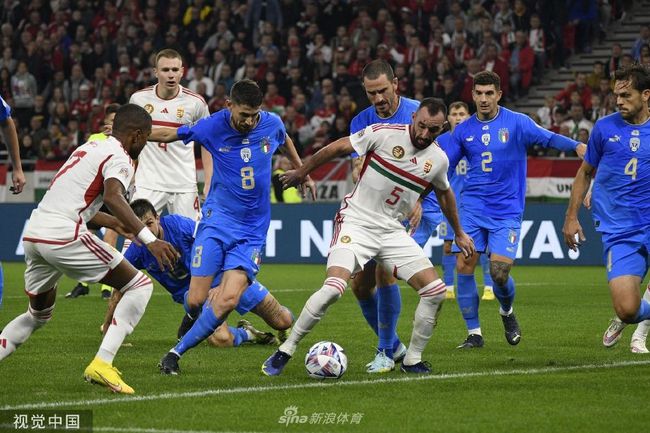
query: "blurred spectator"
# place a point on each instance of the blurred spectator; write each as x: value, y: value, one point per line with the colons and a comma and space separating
x: 612, y: 63
x: 28, y: 152
x: 537, y: 41
x: 5, y: 85
x: 7, y: 60
x: 279, y: 194
x: 597, y: 74
x: 199, y: 77
x: 643, y: 39
x: 455, y: 12
x: 579, y: 85
x: 597, y: 110
x: 23, y: 90
x: 521, y: 17
x: 503, y: 17
x: 583, y: 14
x: 576, y: 121
x: 522, y: 60
x: 219, y: 98
x: 545, y: 113
x: 497, y: 64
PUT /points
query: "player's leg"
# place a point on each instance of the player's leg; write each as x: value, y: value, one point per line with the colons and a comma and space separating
x: 186, y: 204
x: 488, y: 291
x: 110, y: 237
x: 40, y: 285
x: 227, y: 336
x: 389, y: 305
x: 638, y: 342
x: 276, y: 315
x: 404, y: 255
x: 363, y: 287
x: 207, y: 260
x: 448, y: 269
x: 503, y: 243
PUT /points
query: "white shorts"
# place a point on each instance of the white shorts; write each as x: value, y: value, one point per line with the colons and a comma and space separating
x: 395, y: 249
x: 87, y: 259
x: 179, y: 203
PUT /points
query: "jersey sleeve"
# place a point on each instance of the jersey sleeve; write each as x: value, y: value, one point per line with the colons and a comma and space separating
x: 120, y: 169
x: 452, y: 147
x: 533, y: 134
x: 595, y: 147
x: 199, y: 131
x: 364, y: 141
x: 133, y: 255
x: 202, y: 112
x: 281, y: 134
x: 356, y: 125
x: 441, y: 180
x: 5, y: 110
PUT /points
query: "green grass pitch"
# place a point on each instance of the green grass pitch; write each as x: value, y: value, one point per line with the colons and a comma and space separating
x: 558, y: 379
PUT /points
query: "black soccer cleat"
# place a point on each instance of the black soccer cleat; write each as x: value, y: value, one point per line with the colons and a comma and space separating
x: 473, y: 341
x: 186, y: 325
x: 511, y: 326
x: 169, y: 364
x: 79, y: 290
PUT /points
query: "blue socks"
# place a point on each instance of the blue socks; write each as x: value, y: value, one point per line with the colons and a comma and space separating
x: 505, y: 295
x: 204, y: 326
x: 467, y: 297
x: 643, y: 313
x: 448, y: 269
x: 369, y: 311
x: 389, y: 303
x: 485, y: 265
x: 240, y: 336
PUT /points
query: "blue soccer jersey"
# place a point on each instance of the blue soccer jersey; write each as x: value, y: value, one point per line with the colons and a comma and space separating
x: 456, y: 181
x: 5, y: 110
x: 178, y: 231
x: 496, y: 151
x: 621, y: 191
x: 240, y: 188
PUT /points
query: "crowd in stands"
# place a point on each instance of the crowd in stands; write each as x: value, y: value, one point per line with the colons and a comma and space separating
x: 63, y: 61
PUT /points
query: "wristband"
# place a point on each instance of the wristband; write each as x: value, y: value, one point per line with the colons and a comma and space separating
x: 146, y: 236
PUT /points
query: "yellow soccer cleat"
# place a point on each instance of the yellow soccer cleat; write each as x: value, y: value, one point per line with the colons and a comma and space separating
x: 450, y: 293
x: 102, y: 373
x: 488, y: 293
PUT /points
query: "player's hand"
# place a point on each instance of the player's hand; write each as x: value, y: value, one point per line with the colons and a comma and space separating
x: 573, y: 235
x: 581, y: 150
x: 292, y: 178
x: 18, y: 180
x: 587, y: 200
x: 415, y: 217
x: 466, y: 244
x: 165, y: 254
x: 310, y: 185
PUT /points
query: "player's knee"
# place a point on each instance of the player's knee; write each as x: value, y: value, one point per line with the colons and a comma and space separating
x: 446, y: 248
x: 384, y: 277
x: 220, y: 338
x: 500, y: 272
x: 284, y: 320
x: 626, y: 311
x: 224, y: 304
x: 360, y: 289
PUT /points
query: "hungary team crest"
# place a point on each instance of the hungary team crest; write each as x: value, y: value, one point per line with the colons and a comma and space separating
x: 504, y: 134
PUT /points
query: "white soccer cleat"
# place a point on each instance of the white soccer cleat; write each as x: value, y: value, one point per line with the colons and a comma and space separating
x: 637, y: 345
x: 613, y: 332
x: 381, y: 364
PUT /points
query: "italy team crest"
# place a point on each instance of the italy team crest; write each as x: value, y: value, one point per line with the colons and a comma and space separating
x: 504, y: 134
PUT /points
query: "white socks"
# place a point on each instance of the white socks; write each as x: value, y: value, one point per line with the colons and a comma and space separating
x: 127, y: 314
x: 18, y: 330
x: 426, y: 314
x: 313, y: 311
x: 641, y: 331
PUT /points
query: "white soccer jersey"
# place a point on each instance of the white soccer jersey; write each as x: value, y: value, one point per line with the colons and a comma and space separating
x: 394, y: 175
x: 75, y: 194
x: 169, y: 167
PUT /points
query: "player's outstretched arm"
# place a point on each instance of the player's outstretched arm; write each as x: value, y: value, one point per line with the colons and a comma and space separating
x: 163, y: 135
x: 289, y: 150
x: 572, y: 226
x: 339, y: 148
x: 447, y: 202
x: 164, y: 252
x: 17, y: 175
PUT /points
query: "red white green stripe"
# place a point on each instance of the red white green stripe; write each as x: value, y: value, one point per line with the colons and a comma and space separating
x: 397, y: 175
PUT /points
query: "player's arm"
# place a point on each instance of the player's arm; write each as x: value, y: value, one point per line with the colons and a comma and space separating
x: 537, y: 134
x: 164, y: 134
x: 17, y: 175
x: 572, y: 226
x: 289, y: 150
x: 102, y: 219
x: 208, y: 169
x: 447, y: 202
x: 163, y: 251
x: 339, y: 148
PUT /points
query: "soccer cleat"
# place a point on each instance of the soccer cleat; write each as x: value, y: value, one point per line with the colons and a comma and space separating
x: 102, y: 373
x: 381, y: 364
x: 422, y: 367
x: 275, y: 363
x: 186, y: 325
x: 450, y: 294
x: 488, y: 294
x: 637, y: 345
x: 106, y: 291
x: 613, y: 332
x: 511, y: 326
x: 259, y: 337
x: 400, y: 353
x: 169, y: 364
x: 79, y: 290
x: 473, y: 341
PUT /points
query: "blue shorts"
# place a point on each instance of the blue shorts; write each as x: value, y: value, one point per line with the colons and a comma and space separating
x: 428, y: 226
x: 498, y: 236
x: 216, y: 250
x: 626, y: 253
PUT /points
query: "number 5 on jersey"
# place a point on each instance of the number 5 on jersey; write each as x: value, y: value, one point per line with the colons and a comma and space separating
x: 395, y: 196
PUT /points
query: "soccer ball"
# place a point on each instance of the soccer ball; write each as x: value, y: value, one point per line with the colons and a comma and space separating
x: 326, y: 360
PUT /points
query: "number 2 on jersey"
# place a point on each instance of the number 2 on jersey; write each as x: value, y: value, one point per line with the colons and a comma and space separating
x: 487, y: 159
x: 395, y: 194
x: 247, y: 178
x: 630, y: 168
